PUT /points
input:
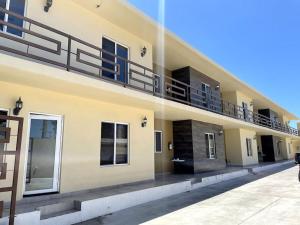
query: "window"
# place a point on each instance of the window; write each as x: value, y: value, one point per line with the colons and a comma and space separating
x: 210, y: 145
x: 278, y: 148
x: 114, y: 144
x: 249, y: 147
x: 3, y: 123
x: 158, y: 141
x: 245, y: 110
x: 205, y: 94
x: 16, y: 6
x: 112, y: 64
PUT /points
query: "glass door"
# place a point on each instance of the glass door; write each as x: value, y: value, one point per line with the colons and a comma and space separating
x: 43, y: 161
x: 114, y: 60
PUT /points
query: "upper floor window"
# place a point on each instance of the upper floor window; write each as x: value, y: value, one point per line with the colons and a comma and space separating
x: 249, y: 147
x: 114, y: 60
x: 114, y: 144
x: 158, y: 141
x: 16, y: 6
x: 211, y: 145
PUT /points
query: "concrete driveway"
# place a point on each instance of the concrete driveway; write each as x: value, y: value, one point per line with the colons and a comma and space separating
x: 271, y: 197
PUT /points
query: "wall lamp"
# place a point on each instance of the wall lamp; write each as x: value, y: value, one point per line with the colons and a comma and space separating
x: 18, y: 107
x: 143, y: 51
x: 144, y: 122
x: 251, y: 103
x: 48, y: 5
x: 218, y: 87
x: 221, y: 132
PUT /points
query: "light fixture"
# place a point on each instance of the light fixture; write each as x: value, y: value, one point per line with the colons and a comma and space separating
x: 144, y: 122
x: 254, y: 138
x: 170, y: 146
x: 221, y: 132
x: 143, y: 51
x: 18, y: 107
x: 251, y: 103
x: 48, y: 5
x: 218, y: 87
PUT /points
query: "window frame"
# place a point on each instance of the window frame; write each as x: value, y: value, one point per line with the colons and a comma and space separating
x: 249, y: 147
x: 121, y: 44
x: 4, y: 30
x: 161, y: 141
x: 215, y: 146
x: 115, y: 143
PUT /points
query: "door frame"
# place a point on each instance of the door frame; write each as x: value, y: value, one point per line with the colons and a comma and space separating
x: 123, y: 45
x: 58, y: 151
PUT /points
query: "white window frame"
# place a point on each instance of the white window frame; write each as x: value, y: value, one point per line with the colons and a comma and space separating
x: 117, y: 43
x: 161, y: 141
x: 249, y: 147
x: 58, y: 149
x: 115, y: 144
x: 7, y: 7
x: 210, y: 156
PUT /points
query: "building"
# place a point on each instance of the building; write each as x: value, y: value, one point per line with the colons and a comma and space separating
x: 106, y: 103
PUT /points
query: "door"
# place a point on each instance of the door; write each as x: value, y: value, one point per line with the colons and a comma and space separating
x: 245, y: 111
x: 114, y: 62
x: 43, y: 161
x: 267, y: 148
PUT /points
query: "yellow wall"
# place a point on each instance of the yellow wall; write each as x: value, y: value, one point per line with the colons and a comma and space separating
x: 163, y: 161
x: 80, y: 163
x: 236, y: 97
x: 236, y: 148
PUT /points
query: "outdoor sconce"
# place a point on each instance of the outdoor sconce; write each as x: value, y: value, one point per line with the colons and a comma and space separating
x: 251, y: 103
x: 254, y: 138
x: 48, y: 5
x: 217, y: 87
x: 18, y: 107
x: 144, y: 122
x: 170, y: 146
x: 143, y: 51
x: 221, y: 132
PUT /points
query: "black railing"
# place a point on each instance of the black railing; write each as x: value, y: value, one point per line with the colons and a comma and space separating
x: 51, y: 46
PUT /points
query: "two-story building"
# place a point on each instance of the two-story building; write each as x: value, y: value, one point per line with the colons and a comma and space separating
x: 102, y: 108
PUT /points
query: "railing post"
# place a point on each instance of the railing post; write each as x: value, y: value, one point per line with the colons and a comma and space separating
x: 69, y: 53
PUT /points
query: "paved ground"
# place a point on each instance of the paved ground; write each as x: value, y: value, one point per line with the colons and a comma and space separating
x: 267, y: 198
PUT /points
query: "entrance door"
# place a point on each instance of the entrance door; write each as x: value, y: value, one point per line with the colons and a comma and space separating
x: 113, y: 64
x: 43, y: 162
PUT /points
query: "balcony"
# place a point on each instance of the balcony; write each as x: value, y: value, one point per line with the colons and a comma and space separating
x: 44, y: 44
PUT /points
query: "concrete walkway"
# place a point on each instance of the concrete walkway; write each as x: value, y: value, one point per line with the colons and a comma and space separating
x: 269, y: 197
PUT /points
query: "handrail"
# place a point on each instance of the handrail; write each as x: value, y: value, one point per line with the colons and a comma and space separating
x: 88, y: 59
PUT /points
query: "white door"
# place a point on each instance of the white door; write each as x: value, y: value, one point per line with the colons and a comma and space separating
x: 43, y: 161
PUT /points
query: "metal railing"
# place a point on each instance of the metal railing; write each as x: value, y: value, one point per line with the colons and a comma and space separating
x: 51, y: 46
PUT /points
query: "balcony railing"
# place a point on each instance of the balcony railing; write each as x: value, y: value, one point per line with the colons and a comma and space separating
x: 47, y: 45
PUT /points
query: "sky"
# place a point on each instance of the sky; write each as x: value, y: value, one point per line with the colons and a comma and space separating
x: 256, y: 40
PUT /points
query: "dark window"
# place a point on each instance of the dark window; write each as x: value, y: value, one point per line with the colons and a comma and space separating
x: 158, y: 141
x: 249, y: 147
x: 116, y: 65
x: 245, y: 110
x: 16, y: 6
x: 114, y: 144
x: 3, y: 123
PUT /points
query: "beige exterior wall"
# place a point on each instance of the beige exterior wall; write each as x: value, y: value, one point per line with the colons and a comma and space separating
x: 237, y: 98
x: 287, y: 145
x: 236, y: 148
x: 80, y: 157
x: 163, y: 160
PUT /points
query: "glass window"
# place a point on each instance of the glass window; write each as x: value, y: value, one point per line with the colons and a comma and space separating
x: 249, y: 147
x: 158, y: 141
x: 210, y: 145
x: 114, y: 144
x: 16, y: 6
x: 3, y: 123
x: 2, y: 15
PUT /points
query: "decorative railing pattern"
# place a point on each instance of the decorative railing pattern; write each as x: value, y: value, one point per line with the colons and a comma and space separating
x: 51, y: 46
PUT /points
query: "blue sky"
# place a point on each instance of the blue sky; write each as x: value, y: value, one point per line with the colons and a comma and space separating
x: 257, y: 40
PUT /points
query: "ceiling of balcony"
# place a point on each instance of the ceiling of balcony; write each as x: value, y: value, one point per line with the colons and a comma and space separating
x: 177, y: 52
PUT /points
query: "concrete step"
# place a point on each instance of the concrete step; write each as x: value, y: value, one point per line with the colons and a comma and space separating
x: 58, y: 209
